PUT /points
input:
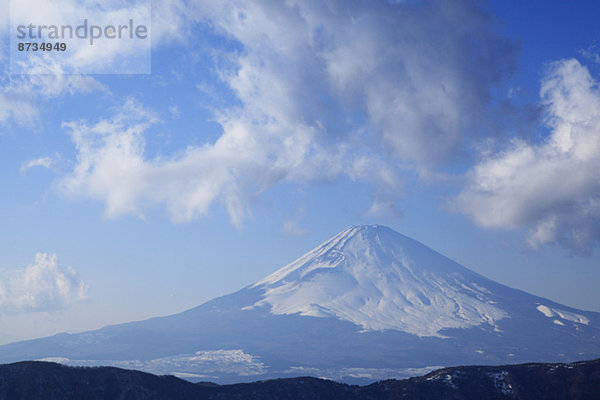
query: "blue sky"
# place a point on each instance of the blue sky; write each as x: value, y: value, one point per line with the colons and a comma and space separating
x: 266, y: 127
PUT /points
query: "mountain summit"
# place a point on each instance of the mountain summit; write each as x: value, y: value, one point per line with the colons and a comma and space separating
x: 367, y: 304
x: 379, y: 279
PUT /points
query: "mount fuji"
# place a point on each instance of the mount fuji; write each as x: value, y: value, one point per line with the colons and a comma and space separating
x: 367, y: 304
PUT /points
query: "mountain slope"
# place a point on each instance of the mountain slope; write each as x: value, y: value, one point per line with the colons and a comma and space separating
x: 379, y: 279
x: 367, y: 304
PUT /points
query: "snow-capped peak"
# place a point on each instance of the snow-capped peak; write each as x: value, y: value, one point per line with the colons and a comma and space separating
x: 379, y: 279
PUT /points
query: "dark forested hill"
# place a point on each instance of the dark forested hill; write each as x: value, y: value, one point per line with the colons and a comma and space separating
x: 44, y: 380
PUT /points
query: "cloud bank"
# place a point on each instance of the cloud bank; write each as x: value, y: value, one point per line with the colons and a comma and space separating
x: 375, y: 91
x: 368, y: 90
x: 43, y: 286
x: 553, y: 187
x: 410, y: 74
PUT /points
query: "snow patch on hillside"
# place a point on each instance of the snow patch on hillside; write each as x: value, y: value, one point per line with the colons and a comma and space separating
x: 500, y: 382
x: 565, y: 315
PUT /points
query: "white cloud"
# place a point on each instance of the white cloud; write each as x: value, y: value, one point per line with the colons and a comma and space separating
x: 291, y: 227
x: 21, y: 95
x: 43, y: 162
x: 553, y: 187
x: 170, y: 21
x: 362, y: 89
x: 46, y: 77
x: 18, y: 106
x: 54, y: 82
x: 591, y: 53
x: 385, y: 206
x: 112, y: 167
x: 43, y: 286
x: 417, y: 76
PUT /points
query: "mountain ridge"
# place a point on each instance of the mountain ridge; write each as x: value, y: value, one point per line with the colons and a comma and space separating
x: 34, y: 380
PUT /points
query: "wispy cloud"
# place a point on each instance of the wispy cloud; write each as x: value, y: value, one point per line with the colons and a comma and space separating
x: 43, y: 162
x: 43, y: 286
x: 553, y: 187
x: 16, y: 105
x: 21, y: 95
x: 291, y: 227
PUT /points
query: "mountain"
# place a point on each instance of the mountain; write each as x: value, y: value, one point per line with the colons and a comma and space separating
x: 378, y: 279
x: 50, y: 381
x: 367, y: 304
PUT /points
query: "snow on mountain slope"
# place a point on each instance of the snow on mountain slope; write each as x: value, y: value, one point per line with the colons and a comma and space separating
x: 566, y: 315
x: 379, y: 279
